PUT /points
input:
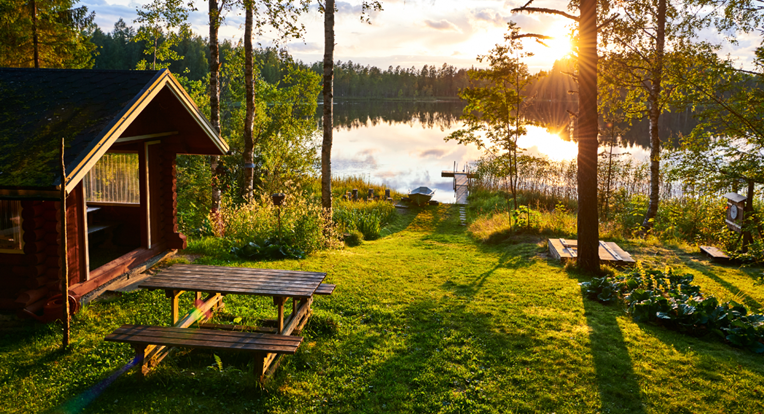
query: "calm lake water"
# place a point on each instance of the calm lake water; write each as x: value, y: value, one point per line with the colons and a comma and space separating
x: 401, y: 144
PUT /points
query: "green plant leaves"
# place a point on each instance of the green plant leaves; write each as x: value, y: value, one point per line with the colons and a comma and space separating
x: 672, y: 299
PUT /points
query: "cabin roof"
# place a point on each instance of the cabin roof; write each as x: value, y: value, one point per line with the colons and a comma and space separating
x: 90, y: 109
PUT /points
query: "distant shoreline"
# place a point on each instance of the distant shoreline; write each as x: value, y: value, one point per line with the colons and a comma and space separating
x: 377, y: 99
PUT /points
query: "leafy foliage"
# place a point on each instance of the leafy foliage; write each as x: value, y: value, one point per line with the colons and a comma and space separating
x: 163, y: 24
x: 63, y: 30
x: 672, y: 300
x: 269, y: 248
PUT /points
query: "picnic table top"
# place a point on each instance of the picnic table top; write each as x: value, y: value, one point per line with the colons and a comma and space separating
x: 236, y: 280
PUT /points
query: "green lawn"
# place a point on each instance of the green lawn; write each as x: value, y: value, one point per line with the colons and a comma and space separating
x: 422, y: 320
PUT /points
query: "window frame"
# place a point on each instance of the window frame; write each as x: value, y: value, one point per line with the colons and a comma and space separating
x: 21, y: 231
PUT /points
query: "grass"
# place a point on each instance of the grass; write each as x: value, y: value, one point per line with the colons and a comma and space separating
x: 424, y: 319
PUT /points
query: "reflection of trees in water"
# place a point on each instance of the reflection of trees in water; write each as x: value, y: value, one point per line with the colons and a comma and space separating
x: 354, y: 115
x: 550, y: 114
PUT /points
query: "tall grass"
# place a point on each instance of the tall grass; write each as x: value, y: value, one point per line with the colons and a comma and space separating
x: 367, y: 217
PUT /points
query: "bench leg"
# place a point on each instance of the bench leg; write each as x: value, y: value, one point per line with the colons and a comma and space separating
x: 260, y: 366
x: 140, y: 359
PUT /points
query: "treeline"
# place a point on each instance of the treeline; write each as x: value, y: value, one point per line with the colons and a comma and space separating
x: 353, y: 80
x: 119, y: 49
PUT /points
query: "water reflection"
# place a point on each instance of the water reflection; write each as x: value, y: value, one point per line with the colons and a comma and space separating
x: 401, y: 144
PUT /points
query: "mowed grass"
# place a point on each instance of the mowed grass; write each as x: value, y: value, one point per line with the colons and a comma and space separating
x: 423, y: 320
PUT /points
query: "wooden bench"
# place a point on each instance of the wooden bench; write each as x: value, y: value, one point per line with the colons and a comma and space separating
x: 259, y: 344
x: 325, y: 289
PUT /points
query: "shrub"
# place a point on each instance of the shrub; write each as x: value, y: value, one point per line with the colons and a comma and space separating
x: 672, y: 300
x: 304, y: 225
x: 354, y: 238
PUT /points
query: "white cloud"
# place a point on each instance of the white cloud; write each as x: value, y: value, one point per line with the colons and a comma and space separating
x: 444, y: 25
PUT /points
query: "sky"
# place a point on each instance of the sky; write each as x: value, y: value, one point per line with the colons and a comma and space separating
x: 406, y: 33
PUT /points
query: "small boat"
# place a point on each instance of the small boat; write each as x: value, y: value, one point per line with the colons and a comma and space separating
x: 421, y: 195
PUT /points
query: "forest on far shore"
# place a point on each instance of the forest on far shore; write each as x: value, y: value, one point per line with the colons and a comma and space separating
x: 121, y: 49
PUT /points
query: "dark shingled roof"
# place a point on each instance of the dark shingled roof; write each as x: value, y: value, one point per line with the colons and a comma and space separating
x: 38, y: 107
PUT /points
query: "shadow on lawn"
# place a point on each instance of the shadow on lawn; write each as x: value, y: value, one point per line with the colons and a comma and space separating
x: 618, y: 385
x: 708, y: 271
x: 438, y: 362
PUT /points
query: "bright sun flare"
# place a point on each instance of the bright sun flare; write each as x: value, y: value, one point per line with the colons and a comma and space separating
x: 560, y: 45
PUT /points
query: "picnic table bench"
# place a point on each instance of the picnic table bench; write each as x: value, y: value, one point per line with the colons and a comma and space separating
x: 259, y: 344
x: 153, y: 343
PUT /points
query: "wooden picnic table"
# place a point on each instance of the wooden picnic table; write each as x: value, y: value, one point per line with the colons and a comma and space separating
x: 217, y: 281
x: 279, y: 284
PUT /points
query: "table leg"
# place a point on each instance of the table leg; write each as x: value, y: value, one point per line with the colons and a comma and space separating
x: 173, y: 295
x: 294, y: 306
x: 279, y: 301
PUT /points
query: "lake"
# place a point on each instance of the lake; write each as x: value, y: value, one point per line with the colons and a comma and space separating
x: 401, y: 144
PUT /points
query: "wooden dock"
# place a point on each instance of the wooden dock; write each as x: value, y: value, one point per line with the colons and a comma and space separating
x: 461, y: 184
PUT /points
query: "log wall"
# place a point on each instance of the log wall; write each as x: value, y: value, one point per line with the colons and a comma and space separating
x: 32, y: 277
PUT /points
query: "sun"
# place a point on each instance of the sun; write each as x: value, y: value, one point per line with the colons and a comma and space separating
x: 560, y: 44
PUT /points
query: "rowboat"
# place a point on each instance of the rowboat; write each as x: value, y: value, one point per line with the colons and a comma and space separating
x: 421, y: 195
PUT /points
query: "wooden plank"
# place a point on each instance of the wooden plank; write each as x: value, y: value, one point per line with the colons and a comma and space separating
x: 248, y: 269
x: 714, y: 252
x: 237, y: 278
x: 129, y: 331
x: 238, y: 328
x: 206, y: 339
x: 115, y: 268
x: 258, y: 290
x: 325, y: 289
x: 221, y: 285
x: 610, y: 251
x: 626, y: 258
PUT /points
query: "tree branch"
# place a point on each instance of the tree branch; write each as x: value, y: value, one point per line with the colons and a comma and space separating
x: 534, y: 35
x: 608, y: 21
x: 545, y: 11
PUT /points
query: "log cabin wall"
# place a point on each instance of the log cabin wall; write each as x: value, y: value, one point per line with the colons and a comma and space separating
x: 30, y: 278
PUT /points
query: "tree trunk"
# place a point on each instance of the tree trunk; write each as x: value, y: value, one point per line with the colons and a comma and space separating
x: 34, y: 35
x: 326, y: 146
x: 63, y: 253
x: 587, y: 137
x: 214, y: 96
x: 249, y: 81
x: 654, y: 112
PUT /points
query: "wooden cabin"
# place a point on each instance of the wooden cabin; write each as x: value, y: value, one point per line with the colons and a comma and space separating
x: 123, y: 130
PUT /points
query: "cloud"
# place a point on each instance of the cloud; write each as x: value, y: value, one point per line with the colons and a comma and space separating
x: 368, y: 151
x: 444, y: 25
x: 433, y: 153
x: 362, y: 161
x: 304, y: 47
x: 491, y: 17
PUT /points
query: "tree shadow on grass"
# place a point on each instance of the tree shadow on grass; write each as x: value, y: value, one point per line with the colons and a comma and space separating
x: 618, y: 384
x: 708, y: 271
x: 438, y: 358
x: 511, y: 257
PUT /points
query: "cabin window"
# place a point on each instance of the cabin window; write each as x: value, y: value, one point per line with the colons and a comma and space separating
x: 10, y: 226
x: 114, y: 179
